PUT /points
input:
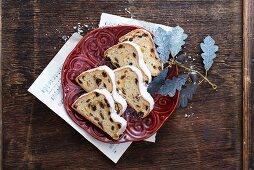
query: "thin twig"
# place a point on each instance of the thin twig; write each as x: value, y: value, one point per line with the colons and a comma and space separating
x: 203, y: 79
x: 214, y: 86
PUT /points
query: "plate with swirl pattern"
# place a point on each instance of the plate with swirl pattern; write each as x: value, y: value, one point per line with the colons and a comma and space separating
x: 89, y: 54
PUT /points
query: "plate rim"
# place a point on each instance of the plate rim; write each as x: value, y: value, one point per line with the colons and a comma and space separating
x: 177, y: 95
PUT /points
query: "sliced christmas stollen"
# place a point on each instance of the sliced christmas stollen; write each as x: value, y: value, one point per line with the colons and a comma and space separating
x: 98, y: 107
x: 102, y: 78
x: 129, y: 84
x: 144, y: 40
x: 128, y: 53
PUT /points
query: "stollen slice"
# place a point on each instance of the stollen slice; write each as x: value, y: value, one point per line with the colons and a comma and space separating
x: 128, y: 53
x: 98, y: 107
x: 144, y: 40
x: 129, y: 84
x: 102, y: 77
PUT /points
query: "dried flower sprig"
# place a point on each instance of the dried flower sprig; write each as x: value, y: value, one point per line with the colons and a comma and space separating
x: 169, y: 44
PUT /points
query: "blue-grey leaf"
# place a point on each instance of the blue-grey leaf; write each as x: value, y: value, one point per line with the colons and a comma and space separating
x: 176, y: 39
x: 209, y: 48
x: 157, y: 82
x: 170, y: 86
x: 161, y: 39
x: 186, y: 94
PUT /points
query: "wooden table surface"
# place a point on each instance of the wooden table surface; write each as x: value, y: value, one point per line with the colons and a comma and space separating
x: 34, y: 137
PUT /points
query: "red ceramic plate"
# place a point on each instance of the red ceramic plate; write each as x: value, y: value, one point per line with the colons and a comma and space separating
x: 89, y: 54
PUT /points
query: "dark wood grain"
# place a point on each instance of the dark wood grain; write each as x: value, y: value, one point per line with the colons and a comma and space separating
x: 248, y: 56
x: 36, y: 138
x: 1, y: 127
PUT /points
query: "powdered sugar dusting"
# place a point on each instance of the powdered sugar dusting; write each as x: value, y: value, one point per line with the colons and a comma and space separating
x: 81, y: 29
x: 65, y: 38
x: 128, y: 10
x: 188, y: 115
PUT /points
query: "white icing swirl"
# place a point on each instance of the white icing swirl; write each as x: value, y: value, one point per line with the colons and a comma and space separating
x: 113, y: 114
x: 115, y: 95
x: 141, y: 61
x: 142, y: 86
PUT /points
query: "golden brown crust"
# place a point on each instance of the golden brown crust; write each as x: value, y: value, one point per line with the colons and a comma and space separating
x: 124, y: 54
x: 95, y: 108
x: 97, y: 79
x: 143, y: 38
x: 128, y: 86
